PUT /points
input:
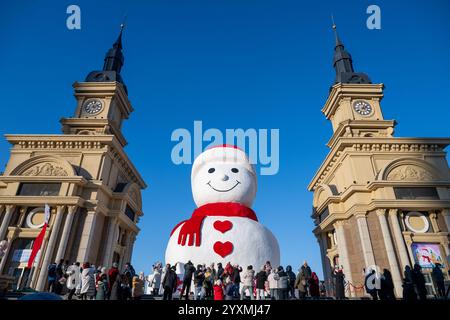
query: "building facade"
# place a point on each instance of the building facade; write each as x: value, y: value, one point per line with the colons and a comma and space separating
x: 380, y: 201
x: 83, y: 174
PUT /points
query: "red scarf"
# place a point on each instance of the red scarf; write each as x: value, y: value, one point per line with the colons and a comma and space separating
x: 191, y: 227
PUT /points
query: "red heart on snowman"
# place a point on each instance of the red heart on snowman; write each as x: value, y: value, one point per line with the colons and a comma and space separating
x: 223, y: 248
x: 223, y: 226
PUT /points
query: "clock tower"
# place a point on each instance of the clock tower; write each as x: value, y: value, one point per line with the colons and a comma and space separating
x: 380, y: 202
x: 86, y: 178
x: 102, y: 100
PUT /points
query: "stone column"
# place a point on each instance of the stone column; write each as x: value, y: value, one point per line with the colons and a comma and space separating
x: 110, y: 243
x: 393, y: 265
x: 322, y: 239
x: 343, y: 252
x: 22, y: 213
x: 87, y: 236
x: 446, y: 214
x: 9, y: 210
x: 364, y: 236
x: 130, y: 246
x: 66, y: 233
x: 434, y: 223
x: 2, y: 206
x: 42, y: 279
x: 399, y: 241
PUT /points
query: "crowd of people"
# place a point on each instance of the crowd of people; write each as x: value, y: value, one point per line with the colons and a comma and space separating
x: 232, y: 282
x: 87, y: 282
x: 229, y: 282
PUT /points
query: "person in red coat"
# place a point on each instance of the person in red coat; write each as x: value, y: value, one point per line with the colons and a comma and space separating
x: 218, y: 290
x: 112, y: 275
x: 314, y: 285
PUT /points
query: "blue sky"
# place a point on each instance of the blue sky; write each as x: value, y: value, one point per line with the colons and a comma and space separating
x: 231, y: 64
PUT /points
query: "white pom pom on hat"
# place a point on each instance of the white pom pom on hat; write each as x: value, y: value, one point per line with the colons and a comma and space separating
x: 223, y: 154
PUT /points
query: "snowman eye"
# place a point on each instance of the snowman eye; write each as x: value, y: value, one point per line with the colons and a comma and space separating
x: 211, y: 170
x: 234, y: 170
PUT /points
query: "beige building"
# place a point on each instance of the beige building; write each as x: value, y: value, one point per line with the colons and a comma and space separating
x: 379, y: 200
x: 83, y: 174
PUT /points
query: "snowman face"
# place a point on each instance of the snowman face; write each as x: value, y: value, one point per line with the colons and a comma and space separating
x: 223, y: 182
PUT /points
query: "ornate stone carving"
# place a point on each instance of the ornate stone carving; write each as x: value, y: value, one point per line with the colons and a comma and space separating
x: 409, y: 173
x: 46, y: 169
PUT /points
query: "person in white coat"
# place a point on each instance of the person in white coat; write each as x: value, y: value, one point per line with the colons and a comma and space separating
x: 273, y: 284
x: 87, y: 282
x: 156, y: 283
x: 73, y: 279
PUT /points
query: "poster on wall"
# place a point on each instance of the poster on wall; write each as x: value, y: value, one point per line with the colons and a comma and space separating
x: 427, y: 254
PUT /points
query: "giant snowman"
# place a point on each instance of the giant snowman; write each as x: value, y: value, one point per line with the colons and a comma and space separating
x: 223, y: 228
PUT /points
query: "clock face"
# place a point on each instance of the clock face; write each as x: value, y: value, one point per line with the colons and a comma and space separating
x: 93, y: 106
x: 362, y: 107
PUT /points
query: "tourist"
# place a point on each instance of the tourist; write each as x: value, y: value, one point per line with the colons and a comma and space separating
x: 339, y: 285
x: 261, y: 279
x: 218, y: 290
x: 169, y: 282
x: 213, y: 272
x: 247, y: 283
x: 137, y: 288
x: 73, y: 279
x: 51, y: 277
x: 228, y: 269
x: 283, y: 284
x: 273, y: 284
x: 306, y: 270
x: 115, y: 291
x: 230, y: 289
x: 291, y: 282
x: 87, y: 282
x: 129, y: 271
x: 236, y: 276
x: 155, y: 282
x: 438, y: 277
x: 370, y: 284
x: 208, y: 283
x: 220, y: 272
x: 268, y: 267
x: 65, y: 266
x: 408, y: 285
x: 102, y: 287
x: 313, y: 285
x: 112, y: 275
x: 419, y: 282
x: 322, y: 289
x: 199, y: 277
x: 58, y: 285
x: 189, y: 270
x: 387, y: 286
x: 125, y: 287
x: 300, y: 285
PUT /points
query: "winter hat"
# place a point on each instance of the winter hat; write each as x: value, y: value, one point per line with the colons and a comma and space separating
x: 222, y: 153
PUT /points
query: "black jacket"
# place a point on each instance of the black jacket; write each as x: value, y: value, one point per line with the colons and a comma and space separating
x: 170, y: 280
x: 199, y: 277
x: 189, y: 270
x: 261, y: 278
x: 236, y: 277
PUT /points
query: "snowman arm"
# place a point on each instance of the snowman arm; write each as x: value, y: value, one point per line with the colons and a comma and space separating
x: 175, y: 228
x: 191, y: 229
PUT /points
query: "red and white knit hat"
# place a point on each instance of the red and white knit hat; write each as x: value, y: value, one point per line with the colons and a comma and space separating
x: 225, y: 154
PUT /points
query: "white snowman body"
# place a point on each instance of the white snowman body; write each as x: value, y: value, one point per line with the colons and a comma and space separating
x: 224, y: 175
x: 250, y: 243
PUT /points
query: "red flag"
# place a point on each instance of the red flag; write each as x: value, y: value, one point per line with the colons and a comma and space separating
x: 39, y: 239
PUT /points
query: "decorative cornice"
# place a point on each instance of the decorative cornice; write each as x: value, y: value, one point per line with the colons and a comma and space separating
x: 101, y: 143
x: 377, y: 145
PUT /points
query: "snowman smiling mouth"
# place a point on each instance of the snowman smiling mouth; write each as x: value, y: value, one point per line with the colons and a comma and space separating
x: 219, y: 190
